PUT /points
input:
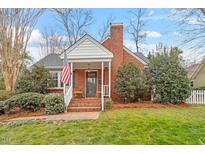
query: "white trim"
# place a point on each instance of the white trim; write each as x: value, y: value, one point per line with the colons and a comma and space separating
x: 109, y: 79
x: 58, y: 78
x: 131, y: 53
x: 102, y: 83
x: 116, y: 24
x: 87, y: 70
x: 105, y: 39
x: 89, y: 60
x: 109, y: 54
x: 71, y: 69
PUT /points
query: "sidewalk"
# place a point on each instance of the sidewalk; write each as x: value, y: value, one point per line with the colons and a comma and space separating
x: 63, y: 117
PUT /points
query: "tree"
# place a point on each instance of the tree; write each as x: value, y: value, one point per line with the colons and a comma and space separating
x: 192, y: 27
x: 104, y: 30
x: 168, y: 78
x: 136, y: 27
x: 16, y: 26
x: 73, y: 22
x: 131, y: 82
x: 35, y: 80
x: 52, y: 42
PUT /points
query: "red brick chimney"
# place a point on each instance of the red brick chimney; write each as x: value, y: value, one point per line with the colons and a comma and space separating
x: 116, y: 47
x: 116, y: 44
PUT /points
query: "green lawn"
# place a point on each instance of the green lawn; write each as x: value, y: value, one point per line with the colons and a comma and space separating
x: 125, y: 126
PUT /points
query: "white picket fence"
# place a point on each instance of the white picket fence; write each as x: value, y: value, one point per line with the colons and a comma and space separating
x: 196, y: 97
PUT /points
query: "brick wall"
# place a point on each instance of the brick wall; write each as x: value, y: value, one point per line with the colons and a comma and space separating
x: 115, y: 44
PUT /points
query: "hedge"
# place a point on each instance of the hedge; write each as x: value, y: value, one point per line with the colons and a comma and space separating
x: 54, y: 104
x: 4, y: 95
x: 26, y: 101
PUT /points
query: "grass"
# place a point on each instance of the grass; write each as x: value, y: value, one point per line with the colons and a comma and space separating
x: 124, y: 126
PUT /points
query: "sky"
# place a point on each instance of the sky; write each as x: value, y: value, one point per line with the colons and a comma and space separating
x: 160, y: 25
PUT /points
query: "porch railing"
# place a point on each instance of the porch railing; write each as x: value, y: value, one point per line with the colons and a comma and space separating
x: 68, y: 95
x: 106, y: 90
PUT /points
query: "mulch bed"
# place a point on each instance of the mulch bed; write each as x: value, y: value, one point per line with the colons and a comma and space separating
x: 15, y: 113
x: 146, y: 104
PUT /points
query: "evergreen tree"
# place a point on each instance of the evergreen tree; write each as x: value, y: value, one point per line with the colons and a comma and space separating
x: 168, y: 78
x: 131, y: 82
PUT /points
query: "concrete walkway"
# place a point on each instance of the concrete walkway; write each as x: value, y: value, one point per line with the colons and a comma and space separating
x: 63, y: 117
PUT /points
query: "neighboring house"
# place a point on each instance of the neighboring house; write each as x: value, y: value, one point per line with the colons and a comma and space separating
x: 93, y: 65
x: 196, y: 75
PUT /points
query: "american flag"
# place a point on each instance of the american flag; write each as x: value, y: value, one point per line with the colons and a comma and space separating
x: 66, y: 71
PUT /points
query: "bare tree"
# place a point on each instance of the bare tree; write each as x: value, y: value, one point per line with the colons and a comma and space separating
x: 73, y: 22
x: 104, y: 30
x: 16, y: 26
x: 192, y: 27
x: 136, y: 27
x: 52, y: 42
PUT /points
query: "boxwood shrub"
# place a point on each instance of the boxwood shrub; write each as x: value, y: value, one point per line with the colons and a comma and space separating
x: 4, y: 95
x: 26, y: 101
x: 54, y: 104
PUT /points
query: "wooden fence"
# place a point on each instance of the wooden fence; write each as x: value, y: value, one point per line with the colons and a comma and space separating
x: 196, y: 97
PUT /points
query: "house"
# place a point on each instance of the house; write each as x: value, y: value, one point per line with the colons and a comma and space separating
x: 94, y: 66
x: 196, y: 75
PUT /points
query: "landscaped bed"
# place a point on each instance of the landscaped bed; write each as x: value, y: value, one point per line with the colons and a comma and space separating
x: 171, y: 125
x: 16, y: 113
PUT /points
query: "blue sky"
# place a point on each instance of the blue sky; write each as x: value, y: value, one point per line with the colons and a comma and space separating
x: 160, y: 24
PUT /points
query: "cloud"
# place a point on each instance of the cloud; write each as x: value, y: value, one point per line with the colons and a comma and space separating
x: 145, y: 48
x: 35, y: 53
x: 177, y: 34
x: 157, y: 17
x: 193, y: 21
x: 36, y: 37
x: 152, y: 34
x: 151, y: 13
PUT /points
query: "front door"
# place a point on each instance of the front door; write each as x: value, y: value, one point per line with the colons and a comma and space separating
x: 91, y: 84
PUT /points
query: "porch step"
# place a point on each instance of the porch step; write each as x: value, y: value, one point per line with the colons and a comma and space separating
x: 83, y: 109
x: 84, y: 104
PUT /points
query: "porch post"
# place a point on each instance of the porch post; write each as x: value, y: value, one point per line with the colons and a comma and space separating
x: 71, y: 75
x: 109, y: 79
x: 102, y: 95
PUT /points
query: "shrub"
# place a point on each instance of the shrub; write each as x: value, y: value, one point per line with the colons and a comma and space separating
x: 130, y: 83
x: 2, y: 86
x: 54, y: 104
x: 108, y: 103
x: 169, y: 79
x: 25, y: 101
x: 2, y: 107
x: 36, y: 80
x: 4, y: 95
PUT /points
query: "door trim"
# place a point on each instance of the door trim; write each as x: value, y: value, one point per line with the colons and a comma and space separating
x: 86, y: 85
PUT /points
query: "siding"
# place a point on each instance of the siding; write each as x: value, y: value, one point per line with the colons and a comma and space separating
x: 199, y: 80
x: 87, y: 49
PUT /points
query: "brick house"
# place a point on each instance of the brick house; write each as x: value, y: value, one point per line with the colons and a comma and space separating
x: 93, y: 66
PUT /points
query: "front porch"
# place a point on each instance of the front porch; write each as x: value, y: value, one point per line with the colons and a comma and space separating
x: 90, y: 82
x: 90, y: 65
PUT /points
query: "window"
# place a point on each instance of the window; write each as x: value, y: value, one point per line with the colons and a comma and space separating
x: 192, y: 83
x: 54, y: 79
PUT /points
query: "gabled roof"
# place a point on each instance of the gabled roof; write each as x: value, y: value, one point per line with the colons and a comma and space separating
x: 191, y: 69
x: 194, y: 70
x: 51, y: 61
x: 138, y: 55
x: 87, y: 47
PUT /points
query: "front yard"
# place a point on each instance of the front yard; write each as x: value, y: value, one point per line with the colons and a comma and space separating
x: 173, y: 125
